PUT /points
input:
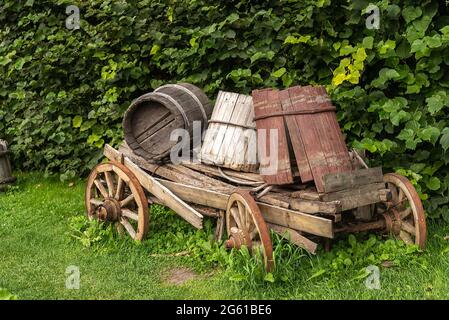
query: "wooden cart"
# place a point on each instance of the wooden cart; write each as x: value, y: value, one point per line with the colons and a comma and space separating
x: 121, y: 191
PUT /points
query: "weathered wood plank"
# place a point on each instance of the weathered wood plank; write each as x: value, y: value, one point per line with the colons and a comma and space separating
x: 311, y: 138
x: 348, y: 180
x: 211, y: 170
x: 295, y: 237
x: 358, y: 197
x: 266, y: 102
x: 296, y: 139
x: 311, y: 206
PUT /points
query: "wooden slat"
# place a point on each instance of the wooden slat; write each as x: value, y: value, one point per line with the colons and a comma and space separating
x: 307, y: 195
x: 311, y: 206
x: 296, y: 139
x: 295, y: 237
x: 211, y: 170
x: 311, y: 138
x: 358, y: 197
x: 348, y: 180
x: 267, y: 102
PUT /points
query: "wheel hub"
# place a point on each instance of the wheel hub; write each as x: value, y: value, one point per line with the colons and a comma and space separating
x: 237, y: 239
x: 393, y: 221
x: 109, y: 210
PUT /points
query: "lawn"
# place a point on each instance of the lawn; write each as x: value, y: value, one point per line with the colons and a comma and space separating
x: 41, y: 218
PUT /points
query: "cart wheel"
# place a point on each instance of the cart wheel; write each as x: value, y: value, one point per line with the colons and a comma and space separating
x: 114, y: 194
x: 404, y: 213
x: 246, y: 226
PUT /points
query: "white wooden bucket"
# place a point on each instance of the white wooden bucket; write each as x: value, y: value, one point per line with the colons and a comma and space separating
x: 231, y: 139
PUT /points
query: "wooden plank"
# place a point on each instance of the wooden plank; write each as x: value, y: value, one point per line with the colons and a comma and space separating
x: 296, y: 139
x: 361, y: 196
x: 295, y: 237
x: 284, y: 217
x: 266, y: 102
x: 307, y: 195
x: 243, y: 157
x: 311, y: 206
x: 166, y: 196
x: 211, y: 170
x: 348, y: 180
x: 310, y: 135
x: 336, y: 136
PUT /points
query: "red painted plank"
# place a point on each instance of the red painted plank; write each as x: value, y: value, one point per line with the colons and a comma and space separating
x: 336, y: 138
x: 307, y: 124
x: 296, y: 139
x: 266, y: 102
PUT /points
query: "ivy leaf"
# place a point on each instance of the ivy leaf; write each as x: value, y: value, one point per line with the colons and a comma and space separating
x: 77, y: 121
x: 368, y: 42
x: 279, y: 73
x: 385, y: 75
x: 444, y: 140
x: 411, y: 13
x: 436, y: 102
x: 295, y: 40
x: 430, y: 134
x: 433, y: 184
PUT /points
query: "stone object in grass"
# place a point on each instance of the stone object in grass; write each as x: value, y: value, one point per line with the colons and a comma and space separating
x: 6, y: 176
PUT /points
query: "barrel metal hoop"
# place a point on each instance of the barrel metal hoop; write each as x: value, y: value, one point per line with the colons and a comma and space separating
x: 177, y: 105
x: 190, y: 93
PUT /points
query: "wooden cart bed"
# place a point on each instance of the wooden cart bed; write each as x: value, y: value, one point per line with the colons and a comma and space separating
x: 297, y: 207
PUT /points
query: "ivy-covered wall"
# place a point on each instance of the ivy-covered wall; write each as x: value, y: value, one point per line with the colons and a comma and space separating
x: 63, y: 92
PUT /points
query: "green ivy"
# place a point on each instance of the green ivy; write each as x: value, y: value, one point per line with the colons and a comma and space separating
x: 63, y: 92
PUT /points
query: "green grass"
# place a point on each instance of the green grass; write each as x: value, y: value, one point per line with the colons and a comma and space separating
x: 38, y: 215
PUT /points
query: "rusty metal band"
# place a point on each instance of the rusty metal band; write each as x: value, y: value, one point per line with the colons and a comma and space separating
x: 176, y: 104
x: 233, y: 124
x: 292, y: 113
x: 190, y: 93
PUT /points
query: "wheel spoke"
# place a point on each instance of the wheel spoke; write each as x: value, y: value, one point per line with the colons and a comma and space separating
x: 128, y: 227
x: 405, y: 237
x: 95, y: 202
x: 127, y: 200
x: 253, y: 233
x: 401, y: 195
x: 130, y: 214
x: 235, y: 215
x: 409, y: 228
x: 394, y: 192
x: 110, y: 183
x: 242, y: 214
x: 404, y: 214
x: 120, y: 185
x: 101, y: 188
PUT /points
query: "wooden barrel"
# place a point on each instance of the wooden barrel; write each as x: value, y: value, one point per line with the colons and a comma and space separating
x: 151, y: 118
x: 5, y: 166
x: 231, y: 138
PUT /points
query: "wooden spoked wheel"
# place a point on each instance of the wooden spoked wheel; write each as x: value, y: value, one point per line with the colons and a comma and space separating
x: 114, y: 194
x: 246, y: 226
x: 404, y: 213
